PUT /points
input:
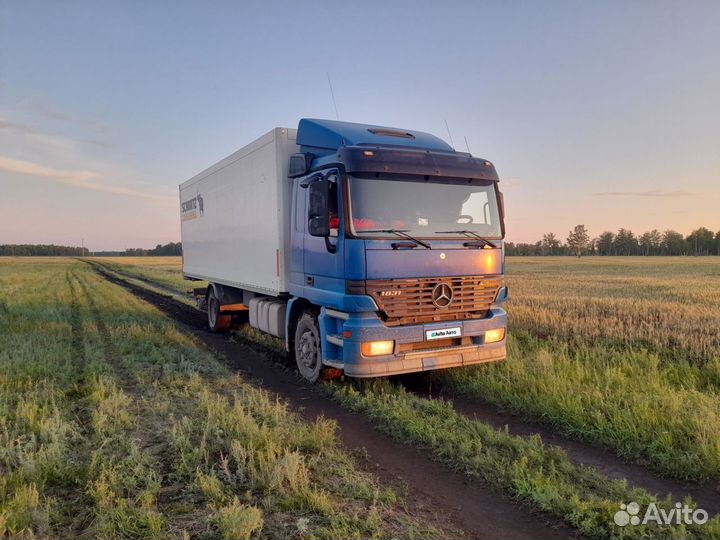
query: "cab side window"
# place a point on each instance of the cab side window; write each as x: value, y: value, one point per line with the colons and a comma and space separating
x: 300, y: 199
x: 333, y: 208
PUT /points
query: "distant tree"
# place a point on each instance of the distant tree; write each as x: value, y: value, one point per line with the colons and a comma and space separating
x: 717, y: 243
x: 550, y: 245
x: 650, y: 243
x: 522, y: 249
x: 578, y: 240
x: 625, y: 243
x: 673, y: 243
x: 592, y: 246
x: 604, y: 243
x: 656, y: 241
x: 136, y: 252
x: 701, y: 241
x: 171, y: 249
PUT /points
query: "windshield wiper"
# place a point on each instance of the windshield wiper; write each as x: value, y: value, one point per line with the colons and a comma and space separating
x: 470, y: 234
x: 402, y: 233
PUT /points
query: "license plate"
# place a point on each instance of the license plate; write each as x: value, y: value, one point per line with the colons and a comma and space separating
x: 441, y: 333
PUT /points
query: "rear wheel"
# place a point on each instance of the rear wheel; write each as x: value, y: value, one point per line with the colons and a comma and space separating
x: 217, y: 322
x: 308, y: 353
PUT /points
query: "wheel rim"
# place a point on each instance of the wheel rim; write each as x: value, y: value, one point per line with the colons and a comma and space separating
x: 212, y: 311
x: 308, y: 357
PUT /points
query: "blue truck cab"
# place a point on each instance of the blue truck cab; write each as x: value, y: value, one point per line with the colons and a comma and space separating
x: 397, y: 257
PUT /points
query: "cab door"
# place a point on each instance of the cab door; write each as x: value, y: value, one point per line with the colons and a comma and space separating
x: 298, y: 226
x: 323, y: 261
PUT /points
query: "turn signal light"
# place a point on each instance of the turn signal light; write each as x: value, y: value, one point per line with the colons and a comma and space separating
x: 495, y: 335
x: 377, y: 348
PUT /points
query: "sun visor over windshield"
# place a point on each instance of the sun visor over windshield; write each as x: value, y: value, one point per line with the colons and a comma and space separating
x: 393, y: 160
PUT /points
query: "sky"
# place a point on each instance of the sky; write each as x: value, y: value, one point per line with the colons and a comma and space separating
x: 600, y: 113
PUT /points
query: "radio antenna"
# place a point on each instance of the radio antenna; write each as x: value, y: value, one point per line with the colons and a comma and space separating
x: 332, y: 94
x: 449, y: 134
x: 467, y: 145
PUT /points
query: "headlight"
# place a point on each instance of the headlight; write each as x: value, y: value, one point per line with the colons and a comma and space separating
x: 495, y: 335
x: 377, y: 348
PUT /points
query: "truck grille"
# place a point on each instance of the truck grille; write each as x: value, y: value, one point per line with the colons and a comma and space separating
x: 410, y: 301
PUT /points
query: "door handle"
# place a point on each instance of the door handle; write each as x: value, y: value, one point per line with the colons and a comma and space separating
x: 310, y: 281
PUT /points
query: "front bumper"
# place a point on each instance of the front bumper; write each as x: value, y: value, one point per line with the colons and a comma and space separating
x: 363, y: 328
x: 427, y: 360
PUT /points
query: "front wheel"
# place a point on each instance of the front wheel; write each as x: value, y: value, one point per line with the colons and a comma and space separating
x: 308, y: 353
x: 216, y: 321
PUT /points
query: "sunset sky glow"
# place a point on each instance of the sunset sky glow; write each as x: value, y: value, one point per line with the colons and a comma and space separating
x: 602, y: 113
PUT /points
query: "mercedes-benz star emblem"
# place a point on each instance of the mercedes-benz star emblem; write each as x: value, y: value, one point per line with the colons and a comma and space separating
x: 442, y: 295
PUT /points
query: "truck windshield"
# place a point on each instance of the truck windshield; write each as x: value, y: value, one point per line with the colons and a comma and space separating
x: 425, y: 209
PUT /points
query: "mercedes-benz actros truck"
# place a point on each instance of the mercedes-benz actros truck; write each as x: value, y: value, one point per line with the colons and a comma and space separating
x: 371, y: 250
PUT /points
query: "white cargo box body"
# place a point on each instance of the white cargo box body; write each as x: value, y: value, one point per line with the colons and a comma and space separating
x: 235, y: 217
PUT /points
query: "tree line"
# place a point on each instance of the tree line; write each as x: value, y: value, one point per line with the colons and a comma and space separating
x: 42, y: 250
x: 701, y: 241
x: 170, y: 249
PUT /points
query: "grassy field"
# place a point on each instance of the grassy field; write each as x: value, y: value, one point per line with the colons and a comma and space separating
x: 114, y: 424
x: 620, y: 352
x: 624, y: 352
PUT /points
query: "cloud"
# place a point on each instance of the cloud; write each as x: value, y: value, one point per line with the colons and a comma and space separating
x: 33, y: 169
x: 15, y: 126
x: 45, y: 141
x: 79, y: 179
x: 652, y: 193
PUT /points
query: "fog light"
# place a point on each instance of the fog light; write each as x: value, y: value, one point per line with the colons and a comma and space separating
x: 492, y: 336
x: 377, y: 348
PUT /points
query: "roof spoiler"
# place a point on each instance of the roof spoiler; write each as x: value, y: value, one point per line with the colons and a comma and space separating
x: 404, y: 160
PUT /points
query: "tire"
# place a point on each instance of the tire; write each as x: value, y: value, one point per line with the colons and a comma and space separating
x: 216, y: 321
x: 308, y: 351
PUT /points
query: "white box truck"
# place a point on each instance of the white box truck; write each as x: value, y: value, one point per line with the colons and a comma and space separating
x: 235, y: 217
x: 370, y: 250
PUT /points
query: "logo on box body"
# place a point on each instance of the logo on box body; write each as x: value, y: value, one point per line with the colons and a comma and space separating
x: 192, y: 208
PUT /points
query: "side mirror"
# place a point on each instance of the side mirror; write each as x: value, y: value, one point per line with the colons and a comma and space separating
x: 318, y: 208
x: 299, y: 164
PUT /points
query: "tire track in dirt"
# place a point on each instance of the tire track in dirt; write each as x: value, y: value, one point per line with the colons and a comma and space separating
x: 707, y: 495
x: 82, y: 519
x: 77, y: 343
x: 430, y: 490
x: 112, y: 357
x: 164, y: 289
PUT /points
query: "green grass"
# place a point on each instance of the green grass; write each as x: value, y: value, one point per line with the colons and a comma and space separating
x: 621, y: 352
x: 523, y: 468
x: 664, y: 415
x: 115, y: 424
